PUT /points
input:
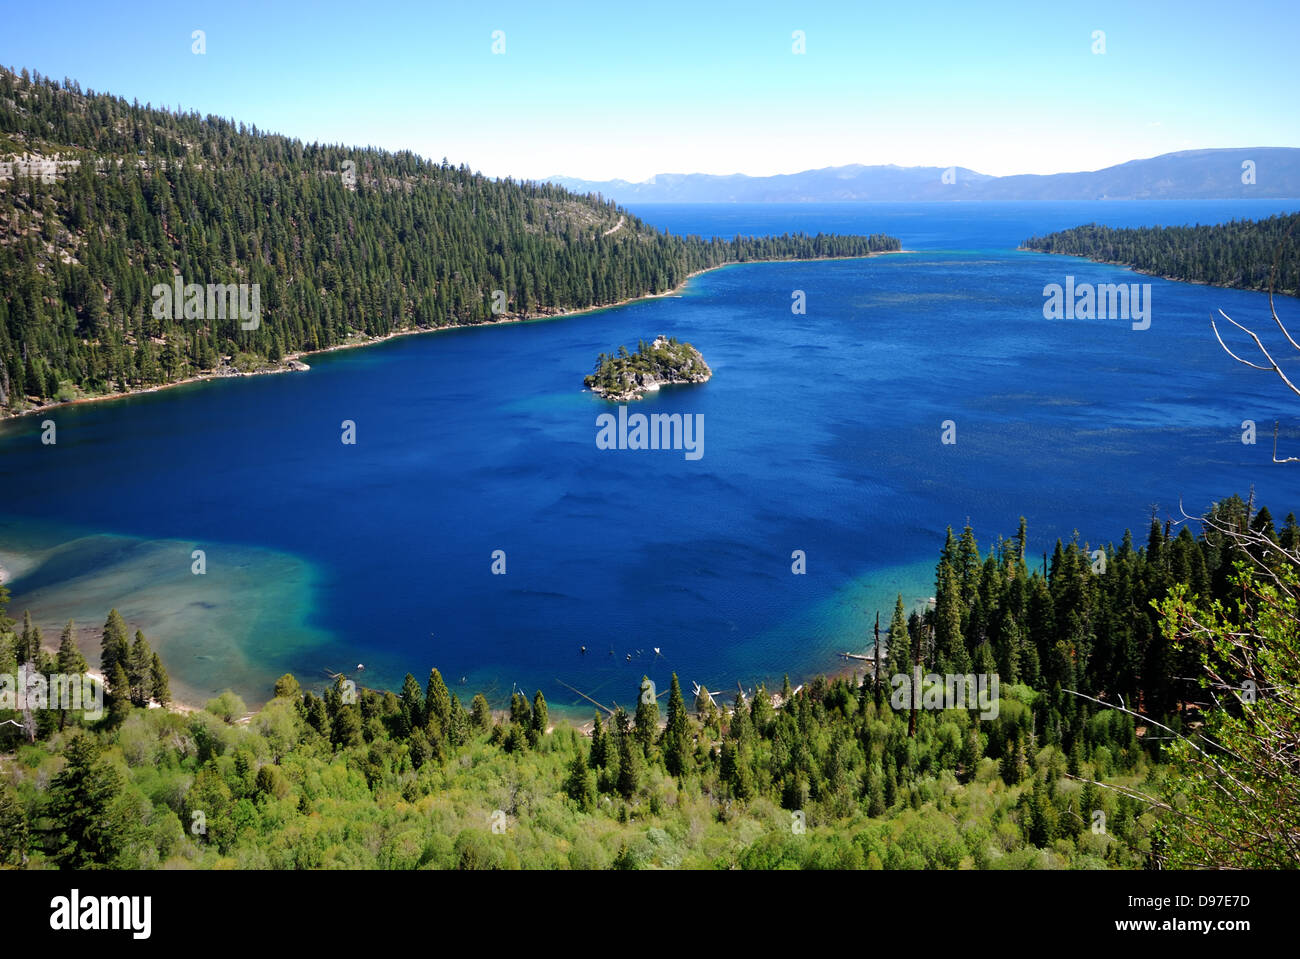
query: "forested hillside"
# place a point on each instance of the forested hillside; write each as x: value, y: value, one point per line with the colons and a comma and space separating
x: 836, y: 774
x: 102, y: 199
x: 1239, y: 254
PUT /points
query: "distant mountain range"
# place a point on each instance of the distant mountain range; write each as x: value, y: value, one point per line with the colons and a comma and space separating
x: 1187, y: 175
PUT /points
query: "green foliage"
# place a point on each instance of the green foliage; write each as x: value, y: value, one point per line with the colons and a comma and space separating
x: 90, y: 825
x: 829, y: 777
x: 1238, y: 254
x: 480, y: 715
x: 228, y: 706
x: 140, y: 671
x: 114, y: 649
x: 664, y: 361
x: 287, y: 687
x: 1235, y: 791
x: 161, y: 687
x: 15, y: 835
x: 412, y: 244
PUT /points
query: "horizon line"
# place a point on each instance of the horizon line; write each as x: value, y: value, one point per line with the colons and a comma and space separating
x: 918, y: 166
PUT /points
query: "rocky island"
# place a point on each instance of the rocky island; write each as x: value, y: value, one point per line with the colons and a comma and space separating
x: 627, y: 376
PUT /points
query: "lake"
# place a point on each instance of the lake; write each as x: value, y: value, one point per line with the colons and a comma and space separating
x: 823, y: 433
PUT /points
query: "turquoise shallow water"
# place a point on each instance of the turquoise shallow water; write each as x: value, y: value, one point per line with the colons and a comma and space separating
x: 822, y: 434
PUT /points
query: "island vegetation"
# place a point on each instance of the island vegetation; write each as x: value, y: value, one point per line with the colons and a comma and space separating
x: 1245, y: 254
x: 107, y: 200
x: 1147, y: 718
x: 624, y: 376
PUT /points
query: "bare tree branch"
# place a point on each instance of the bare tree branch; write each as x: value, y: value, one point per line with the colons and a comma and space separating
x: 1273, y: 366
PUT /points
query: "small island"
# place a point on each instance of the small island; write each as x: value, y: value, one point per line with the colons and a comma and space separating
x: 625, y: 376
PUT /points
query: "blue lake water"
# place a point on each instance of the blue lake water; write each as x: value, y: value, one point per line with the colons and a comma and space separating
x: 822, y: 433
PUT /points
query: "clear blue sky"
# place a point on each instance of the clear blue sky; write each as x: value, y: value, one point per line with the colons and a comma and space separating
x: 613, y: 89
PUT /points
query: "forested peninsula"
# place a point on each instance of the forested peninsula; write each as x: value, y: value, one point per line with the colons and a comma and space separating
x: 1241, y: 254
x: 103, y: 203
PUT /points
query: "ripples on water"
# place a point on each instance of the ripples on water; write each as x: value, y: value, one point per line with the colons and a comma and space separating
x: 822, y: 434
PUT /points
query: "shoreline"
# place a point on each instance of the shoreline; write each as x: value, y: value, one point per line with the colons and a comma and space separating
x: 186, y: 700
x: 1157, y: 276
x: 183, y: 699
x: 292, y: 362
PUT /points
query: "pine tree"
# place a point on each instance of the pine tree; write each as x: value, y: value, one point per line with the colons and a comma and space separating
x: 581, y: 783
x: 437, y: 702
x: 119, y: 689
x: 87, y: 824
x: 480, y: 714
x: 629, y: 767
x: 875, y: 793
x: 677, y: 736
x: 70, y: 662
x: 29, y: 649
x: 539, y: 719
x: 647, y: 714
x: 140, y: 671
x: 1289, y: 537
x: 1044, y: 817
x: 418, y: 746
x: 899, y: 643
x: 287, y: 687
x: 705, y: 710
x: 412, y: 705
x: 114, y: 648
x: 967, y: 566
x: 459, y: 732
x: 950, y: 647
x: 15, y: 835
x: 521, y: 714
x: 1021, y: 548
x: 516, y: 738
x: 599, y: 743
x: 345, y: 730
x: 1012, y: 767
x: 315, y: 713
x: 162, y: 692
x: 734, y: 770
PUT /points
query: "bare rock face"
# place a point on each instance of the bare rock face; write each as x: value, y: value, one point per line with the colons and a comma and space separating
x: 629, y: 376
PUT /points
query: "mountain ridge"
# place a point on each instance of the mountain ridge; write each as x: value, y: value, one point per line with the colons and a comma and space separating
x: 1214, y: 173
